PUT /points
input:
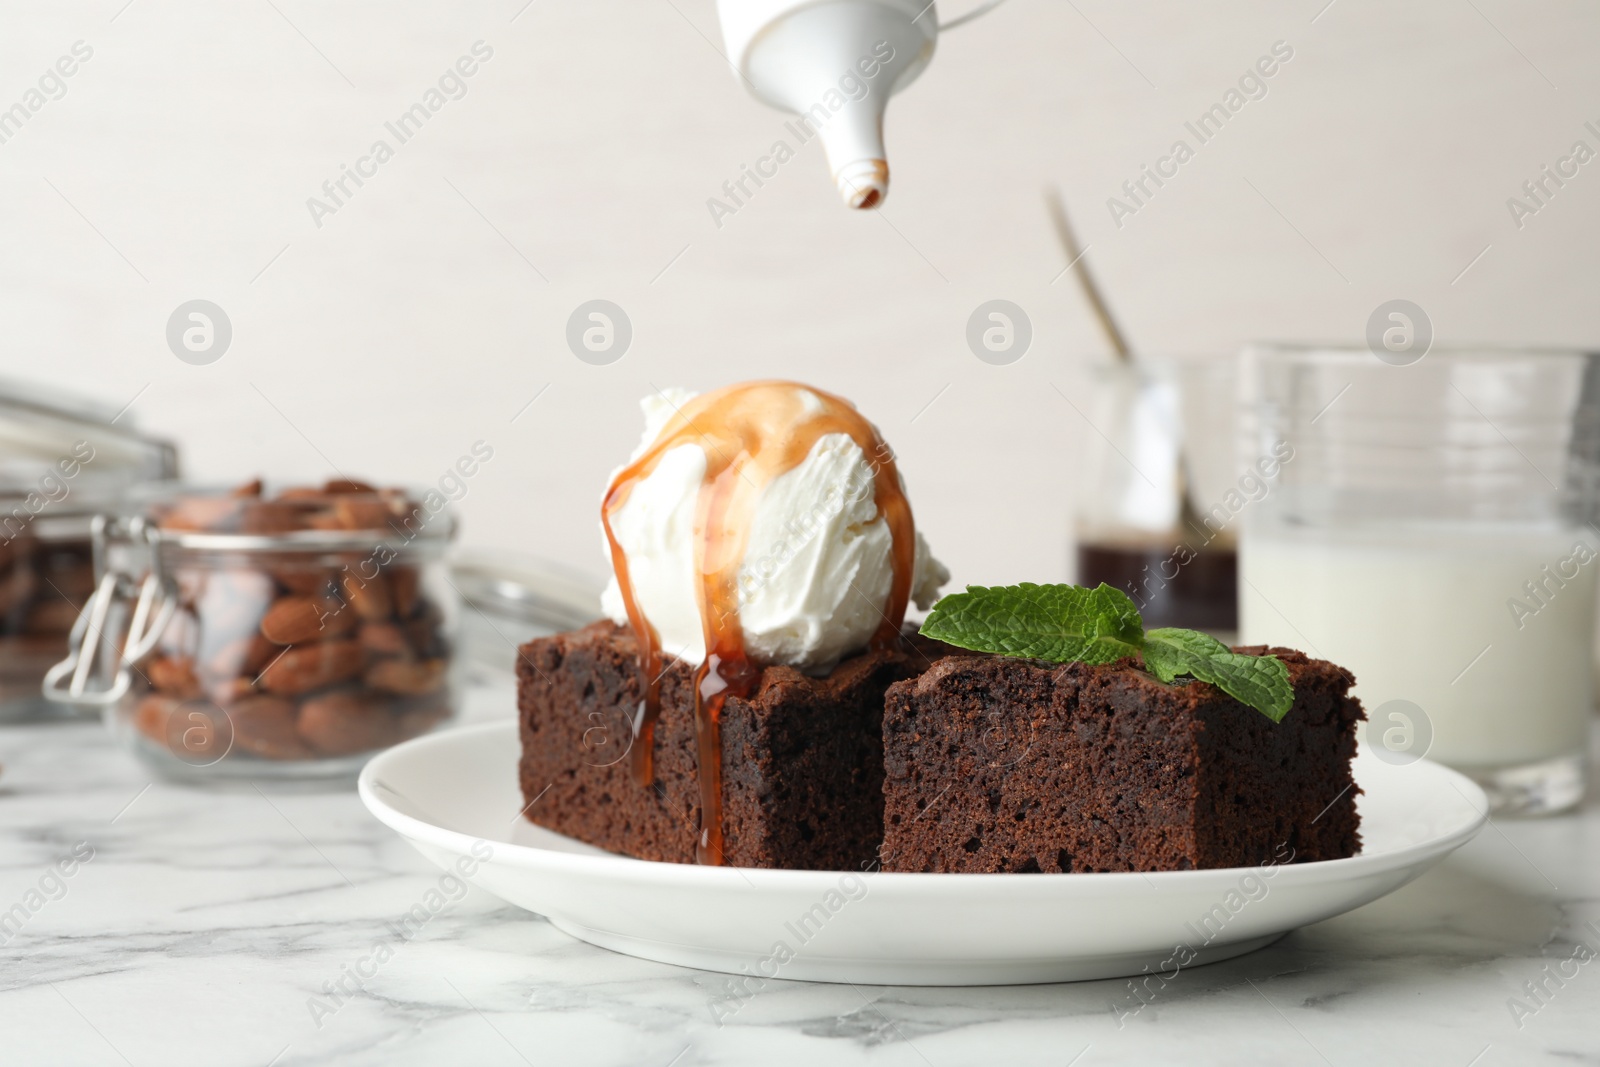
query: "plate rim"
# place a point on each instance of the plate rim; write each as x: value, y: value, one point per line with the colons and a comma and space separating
x: 628, y: 868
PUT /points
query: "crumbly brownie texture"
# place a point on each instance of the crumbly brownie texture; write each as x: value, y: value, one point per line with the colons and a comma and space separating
x: 802, y: 759
x: 996, y: 764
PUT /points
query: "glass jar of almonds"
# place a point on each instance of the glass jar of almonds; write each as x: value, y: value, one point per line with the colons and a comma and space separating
x: 246, y: 636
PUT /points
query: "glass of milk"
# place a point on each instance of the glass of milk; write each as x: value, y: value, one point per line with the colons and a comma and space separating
x: 1434, y: 529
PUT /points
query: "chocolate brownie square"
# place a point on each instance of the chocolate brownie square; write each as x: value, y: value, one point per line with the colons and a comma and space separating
x: 802, y: 758
x: 1002, y: 764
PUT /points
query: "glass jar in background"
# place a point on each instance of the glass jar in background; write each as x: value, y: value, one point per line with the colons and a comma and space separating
x: 62, y: 461
x: 1158, y: 491
x: 271, y: 638
x: 1435, y: 533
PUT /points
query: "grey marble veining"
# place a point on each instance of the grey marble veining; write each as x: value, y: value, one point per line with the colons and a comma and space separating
x: 256, y: 928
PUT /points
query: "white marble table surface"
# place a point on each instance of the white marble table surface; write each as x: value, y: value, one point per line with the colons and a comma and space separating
x: 206, y: 922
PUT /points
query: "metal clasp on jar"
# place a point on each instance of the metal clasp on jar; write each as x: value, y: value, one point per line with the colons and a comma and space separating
x: 127, y: 568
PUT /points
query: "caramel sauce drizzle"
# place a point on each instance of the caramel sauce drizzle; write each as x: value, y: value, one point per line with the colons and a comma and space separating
x: 750, y: 434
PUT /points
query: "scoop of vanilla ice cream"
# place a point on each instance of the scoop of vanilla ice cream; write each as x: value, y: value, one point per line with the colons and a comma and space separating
x: 818, y: 562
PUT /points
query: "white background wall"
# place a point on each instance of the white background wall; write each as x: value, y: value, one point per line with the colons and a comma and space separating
x: 416, y: 320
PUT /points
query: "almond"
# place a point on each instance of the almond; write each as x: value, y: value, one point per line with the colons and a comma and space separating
x: 361, y: 514
x: 267, y: 726
x: 370, y: 597
x: 281, y: 515
x: 383, y: 639
x: 302, y: 668
x: 191, y: 730
x: 173, y: 676
x: 261, y: 653
x: 200, y: 513
x: 345, y: 722
x: 406, y: 677
x: 346, y: 485
x: 151, y: 714
x: 294, y: 620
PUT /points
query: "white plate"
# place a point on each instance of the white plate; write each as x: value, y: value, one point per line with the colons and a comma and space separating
x: 447, y: 792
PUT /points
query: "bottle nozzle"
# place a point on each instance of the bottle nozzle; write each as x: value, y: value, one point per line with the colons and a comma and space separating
x: 834, y: 63
x: 863, y: 183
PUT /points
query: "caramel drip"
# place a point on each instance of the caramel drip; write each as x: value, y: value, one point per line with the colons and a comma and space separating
x: 750, y: 434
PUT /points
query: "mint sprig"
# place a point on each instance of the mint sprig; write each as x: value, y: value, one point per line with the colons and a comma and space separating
x: 1072, y: 624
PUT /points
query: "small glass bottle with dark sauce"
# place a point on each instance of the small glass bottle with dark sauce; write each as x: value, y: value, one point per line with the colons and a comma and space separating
x: 1157, y: 499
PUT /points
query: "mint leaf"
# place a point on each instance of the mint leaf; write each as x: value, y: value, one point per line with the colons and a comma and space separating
x: 1169, y: 652
x: 1259, y: 681
x: 1071, y: 624
x: 1060, y: 623
x: 1116, y: 618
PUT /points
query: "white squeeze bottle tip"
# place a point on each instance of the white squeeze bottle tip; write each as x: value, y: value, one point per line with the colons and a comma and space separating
x: 863, y: 183
x: 853, y: 141
x: 834, y: 63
